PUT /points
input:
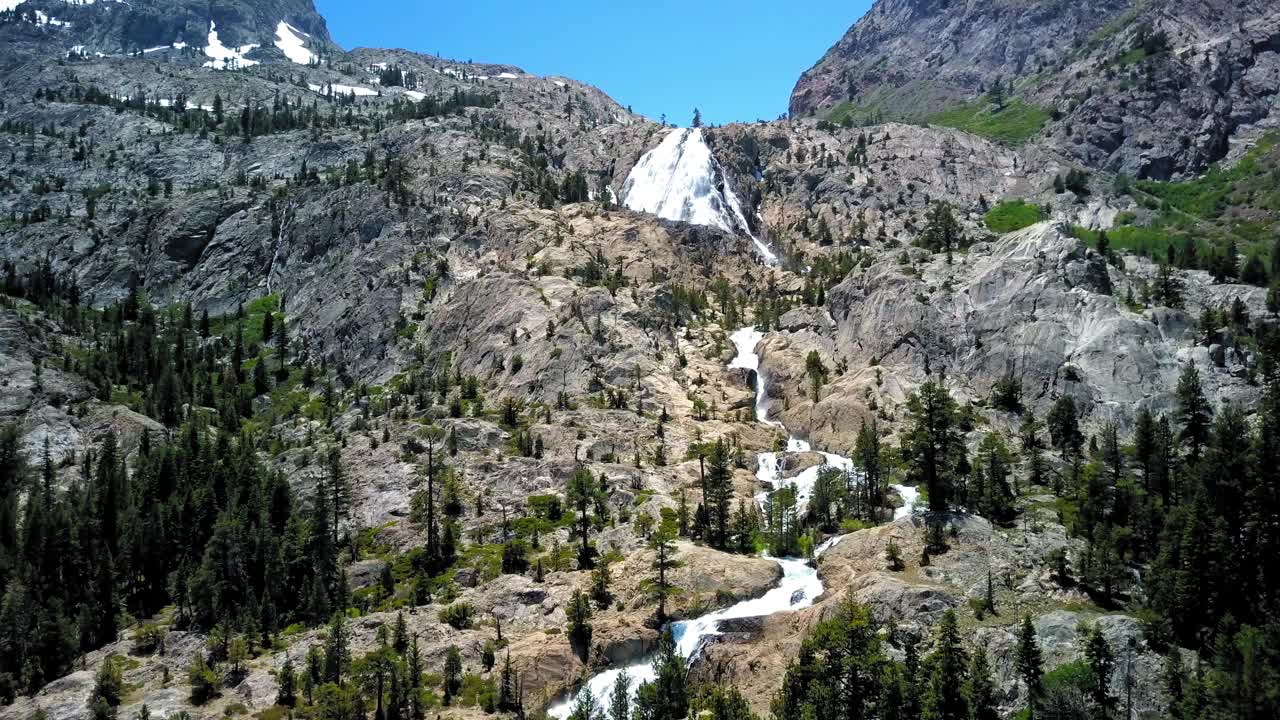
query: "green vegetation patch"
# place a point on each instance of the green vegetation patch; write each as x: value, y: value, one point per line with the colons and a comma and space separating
x: 1012, y: 215
x: 1245, y: 196
x: 1014, y: 124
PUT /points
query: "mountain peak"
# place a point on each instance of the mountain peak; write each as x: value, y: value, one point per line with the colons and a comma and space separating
x: 242, y: 28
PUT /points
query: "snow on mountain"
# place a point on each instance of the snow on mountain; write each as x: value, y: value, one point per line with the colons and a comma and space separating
x: 223, y: 57
x: 337, y: 89
x: 43, y: 19
x: 292, y: 42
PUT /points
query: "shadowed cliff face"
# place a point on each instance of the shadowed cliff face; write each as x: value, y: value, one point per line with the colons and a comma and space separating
x: 110, y: 27
x: 1150, y: 89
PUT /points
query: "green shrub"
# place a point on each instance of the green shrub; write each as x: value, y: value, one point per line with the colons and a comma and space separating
x: 459, y: 616
x: 204, y: 681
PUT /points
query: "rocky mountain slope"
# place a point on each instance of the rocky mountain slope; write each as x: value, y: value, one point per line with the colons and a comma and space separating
x: 463, y: 286
x: 156, y: 28
x: 1148, y: 88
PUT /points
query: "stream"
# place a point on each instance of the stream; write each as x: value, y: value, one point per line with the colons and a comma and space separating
x: 800, y: 585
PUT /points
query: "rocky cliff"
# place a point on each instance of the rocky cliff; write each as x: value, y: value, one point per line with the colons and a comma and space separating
x: 423, y: 224
x: 1148, y: 88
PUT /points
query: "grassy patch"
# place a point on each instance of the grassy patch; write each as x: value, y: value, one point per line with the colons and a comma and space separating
x: 1245, y: 196
x: 225, y: 325
x: 1012, y: 215
x: 1013, y: 124
x: 1148, y: 241
x: 1115, y: 26
x: 843, y: 113
x: 1133, y: 57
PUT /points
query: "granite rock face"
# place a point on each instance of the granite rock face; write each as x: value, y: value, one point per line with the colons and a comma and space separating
x: 1149, y: 89
x: 402, y: 241
x: 1036, y: 303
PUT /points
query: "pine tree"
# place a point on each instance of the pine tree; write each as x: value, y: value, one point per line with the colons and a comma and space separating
x: 817, y: 372
x: 581, y: 495
x: 659, y: 586
x: 997, y: 95
x: 1029, y: 663
x: 932, y: 443
x: 719, y: 489
x: 584, y: 706
x: 942, y: 232
x: 452, y: 682
x: 401, y: 637
x: 839, y: 672
x: 867, y: 458
x: 600, y: 580
x: 337, y: 654
x: 666, y: 696
x: 339, y: 491
x: 1101, y: 665
x: 1064, y: 426
x: 994, y: 497
x: 980, y: 692
x: 1173, y: 683
x: 432, y: 436
x: 620, y: 698
x: 947, y: 668
x: 579, y: 616
x: 287, y: 694
x: 1194, y: 414
x: 1032, y: 448
x: 508, y: 687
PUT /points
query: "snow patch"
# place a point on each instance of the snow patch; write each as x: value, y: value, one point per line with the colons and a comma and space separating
x: 43, y: 19
x: 508, y: 76
x: 293, y: 44
x: 415, y: 94
x: 337, y: 89
x: 223, y: 57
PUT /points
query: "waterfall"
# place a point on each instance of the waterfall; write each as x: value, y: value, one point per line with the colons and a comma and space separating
x: 681, y: 180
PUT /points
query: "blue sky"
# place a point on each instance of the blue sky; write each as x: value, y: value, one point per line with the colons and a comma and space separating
x: 735, y: 61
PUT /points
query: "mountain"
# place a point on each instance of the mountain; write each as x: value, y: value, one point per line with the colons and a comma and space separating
x: 1148, y: 88
x: 162, y: 27
x: 371, y: 383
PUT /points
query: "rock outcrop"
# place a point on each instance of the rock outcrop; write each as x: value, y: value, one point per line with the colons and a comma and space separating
x: 1149, y: 89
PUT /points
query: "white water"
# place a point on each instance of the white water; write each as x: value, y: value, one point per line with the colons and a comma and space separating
x: 746, y: 340
x: 800, y: 584
x: 681, y: 180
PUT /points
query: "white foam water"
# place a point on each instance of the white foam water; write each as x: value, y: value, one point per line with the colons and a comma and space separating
x: 800, y: 585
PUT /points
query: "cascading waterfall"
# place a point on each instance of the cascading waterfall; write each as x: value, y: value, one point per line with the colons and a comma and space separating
x: 681, y: 180
x: 800, y: 585
x: 746, y: 340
